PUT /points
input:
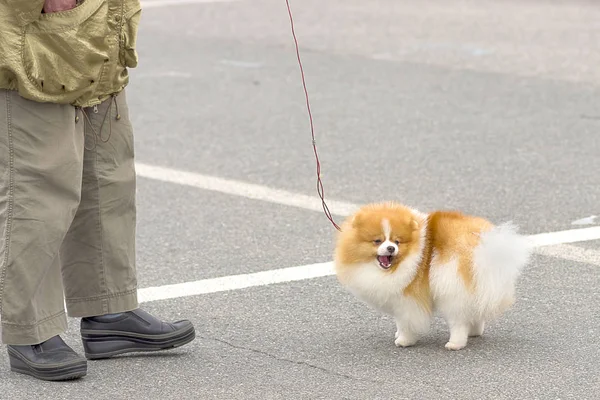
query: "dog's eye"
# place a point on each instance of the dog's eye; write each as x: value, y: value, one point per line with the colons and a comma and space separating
x: 377, y: 241
x: 397, y: 242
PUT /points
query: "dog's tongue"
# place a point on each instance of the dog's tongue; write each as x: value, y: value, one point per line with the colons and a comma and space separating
x: 384, y: 261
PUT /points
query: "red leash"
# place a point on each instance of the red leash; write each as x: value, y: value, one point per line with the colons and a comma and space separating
x: 312, y: 128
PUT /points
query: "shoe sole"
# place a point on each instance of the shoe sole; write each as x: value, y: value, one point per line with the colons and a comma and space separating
x: 105, y: 344
x: 53, y: 372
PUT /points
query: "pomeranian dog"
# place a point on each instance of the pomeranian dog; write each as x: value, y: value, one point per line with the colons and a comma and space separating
x: 411, y: 265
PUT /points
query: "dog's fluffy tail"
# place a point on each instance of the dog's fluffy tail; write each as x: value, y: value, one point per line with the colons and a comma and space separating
x: 498, y: 261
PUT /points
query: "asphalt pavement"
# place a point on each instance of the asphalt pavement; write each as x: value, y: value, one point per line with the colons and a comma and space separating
x: 490, y: 107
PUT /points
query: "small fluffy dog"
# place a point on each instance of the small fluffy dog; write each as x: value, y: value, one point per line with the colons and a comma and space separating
x: 410, y: 265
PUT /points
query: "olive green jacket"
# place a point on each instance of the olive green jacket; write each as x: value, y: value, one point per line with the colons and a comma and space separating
x: 78, y: 57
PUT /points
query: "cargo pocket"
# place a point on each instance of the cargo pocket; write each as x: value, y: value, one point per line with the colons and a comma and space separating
x: 128, y: 54
x: 65, y: 52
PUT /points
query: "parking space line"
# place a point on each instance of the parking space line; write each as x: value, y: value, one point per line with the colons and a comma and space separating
x: 542, y: 242
x: 568, y: 236
x: 241, y: 189
x: 313, y: 203
x: 235, y: 282
x: 311, y: 271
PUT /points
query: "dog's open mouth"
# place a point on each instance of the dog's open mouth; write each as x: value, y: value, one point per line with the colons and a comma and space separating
x: 385, y: 262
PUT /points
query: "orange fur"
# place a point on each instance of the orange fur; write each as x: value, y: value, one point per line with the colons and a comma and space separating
x: 408, y: 264
x: 360, y: 230
x: 453, y: 233
x: 448, y: 234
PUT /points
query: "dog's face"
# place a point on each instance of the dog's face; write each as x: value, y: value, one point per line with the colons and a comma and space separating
x: 380, y: 234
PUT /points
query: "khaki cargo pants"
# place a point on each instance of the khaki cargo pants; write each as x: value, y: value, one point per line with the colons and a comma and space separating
x: 67, y: 215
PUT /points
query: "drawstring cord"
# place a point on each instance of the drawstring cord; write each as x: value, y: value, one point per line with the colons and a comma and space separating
x: 98, y: 134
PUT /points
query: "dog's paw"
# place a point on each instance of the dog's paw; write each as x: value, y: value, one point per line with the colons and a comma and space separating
x: 455, y: 346
x: 396, y: 335
x: 402, y: 341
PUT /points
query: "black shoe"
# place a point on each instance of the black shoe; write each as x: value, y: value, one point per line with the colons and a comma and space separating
x: 133, y: 331
x: 51, y: 360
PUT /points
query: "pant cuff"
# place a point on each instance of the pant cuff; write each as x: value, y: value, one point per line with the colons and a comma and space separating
x: 15, y: 334
x: 102, y: 305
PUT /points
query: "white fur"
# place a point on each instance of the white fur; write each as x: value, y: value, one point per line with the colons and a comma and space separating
x: 383, y: 291
x: 387, y: 228
x: 376, y: 287
x: 452, y: 300
x: 498, y: 261
x: 383, y: 250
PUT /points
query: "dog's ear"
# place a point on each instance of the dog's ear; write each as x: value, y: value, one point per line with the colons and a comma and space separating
x: 414, y: 224
x: 357, y: 219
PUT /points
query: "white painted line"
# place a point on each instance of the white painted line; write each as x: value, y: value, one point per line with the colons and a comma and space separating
x: 591, y: 220
x: 235, y: 282
x: 546, y: 247
x: 242, y: 189
x: 569, y: 236
x: 277, y: 196
x: 571, y: 253
x: 169, y: 3
x: 311, y: 203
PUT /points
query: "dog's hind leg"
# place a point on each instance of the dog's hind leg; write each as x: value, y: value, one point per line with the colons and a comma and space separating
x: 459, y: 334
x: 477, y: 328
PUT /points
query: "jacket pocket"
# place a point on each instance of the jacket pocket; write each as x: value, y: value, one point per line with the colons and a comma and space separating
x: 128, y: 56
x: 65, y: 52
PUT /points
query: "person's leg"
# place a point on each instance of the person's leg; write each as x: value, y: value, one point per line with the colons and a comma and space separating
x: 41, y: 156
x: 98, y: 254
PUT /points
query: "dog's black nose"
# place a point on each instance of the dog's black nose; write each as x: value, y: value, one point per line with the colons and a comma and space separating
x: 391, y: 249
